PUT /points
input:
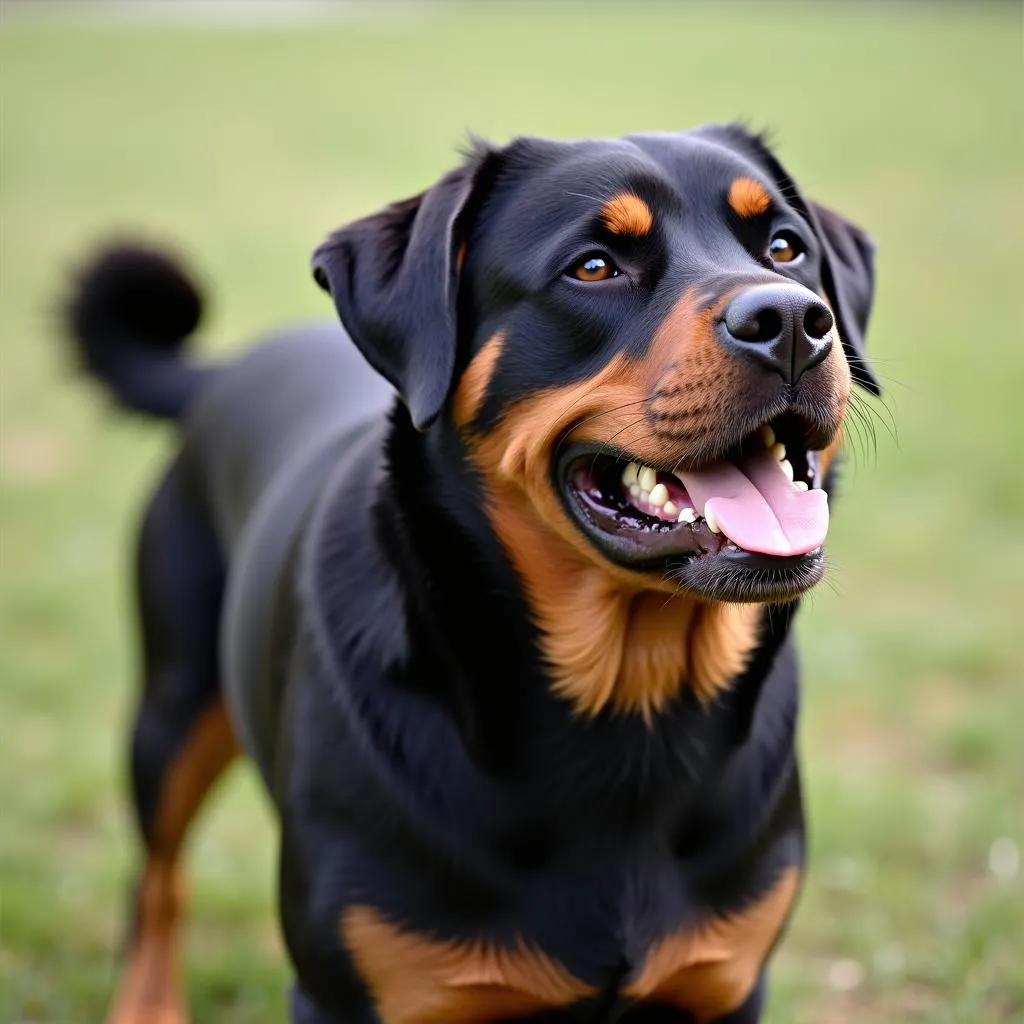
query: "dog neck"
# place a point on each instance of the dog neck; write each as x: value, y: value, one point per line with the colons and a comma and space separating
x: 610, y: 642
x: 499, y: 577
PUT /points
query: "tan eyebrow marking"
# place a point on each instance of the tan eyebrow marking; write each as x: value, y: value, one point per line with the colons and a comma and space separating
x: 748, y: 198
x: 627, y: 214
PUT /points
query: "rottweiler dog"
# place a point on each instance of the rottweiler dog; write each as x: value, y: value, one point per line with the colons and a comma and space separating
x: 495, y: 583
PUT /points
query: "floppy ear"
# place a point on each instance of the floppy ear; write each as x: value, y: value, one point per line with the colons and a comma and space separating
x: 848, y: 275
x: 394, y: 280
x: 848, y: 264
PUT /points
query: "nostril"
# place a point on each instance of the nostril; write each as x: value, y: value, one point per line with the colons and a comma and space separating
x: 817, y: 322
x: 764, y: 325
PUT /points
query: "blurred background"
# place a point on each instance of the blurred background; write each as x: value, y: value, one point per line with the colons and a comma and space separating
x: 241, y: 132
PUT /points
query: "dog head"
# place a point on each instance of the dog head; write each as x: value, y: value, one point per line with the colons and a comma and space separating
x: 647, y: 343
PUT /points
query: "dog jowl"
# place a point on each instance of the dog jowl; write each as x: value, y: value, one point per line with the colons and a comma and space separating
x: 494, y: 582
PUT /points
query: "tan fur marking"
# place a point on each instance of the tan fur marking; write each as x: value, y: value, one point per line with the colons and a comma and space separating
x: 748, y: 198
x: 712, y: 970
x: 150, y: 989
x: 627, y: 214
x: 612, y: 636
x: 418, y: 980
x: 472, y: 387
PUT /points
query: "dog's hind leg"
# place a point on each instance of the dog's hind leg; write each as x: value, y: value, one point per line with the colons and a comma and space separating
x: 182, y: 738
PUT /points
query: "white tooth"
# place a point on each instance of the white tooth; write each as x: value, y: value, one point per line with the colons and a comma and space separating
x: 669, y: 508
x: 778, y: 451
x: 645, y: 496
x: 646, y: 478
x: 768, y: 436
x: 800, y: 485
x: 659, y: 495
x: 634, y: 490
x: 787, y: 468
x: 709, y: 518
x: 687, y: 515
x: 629, y: 474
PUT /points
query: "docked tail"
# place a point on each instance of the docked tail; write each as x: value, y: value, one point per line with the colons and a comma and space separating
x: 129, y: 314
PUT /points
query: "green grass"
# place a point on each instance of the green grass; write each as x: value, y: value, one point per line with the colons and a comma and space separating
x: 245, y: 146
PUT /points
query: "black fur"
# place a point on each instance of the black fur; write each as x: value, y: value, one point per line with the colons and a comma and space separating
x: 131, y: 313
x: 380, y: 659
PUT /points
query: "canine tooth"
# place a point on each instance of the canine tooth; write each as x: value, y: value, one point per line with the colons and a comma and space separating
x: 629, y: 474
x: 778, y: 451
x: 646, y: 478
x: 768, y: 436
x: 709, y: 518
x: 801, y: 485
x: 687, y: 515
x: 787, y: 468
x: 659, y: 495
x: 669, y: 508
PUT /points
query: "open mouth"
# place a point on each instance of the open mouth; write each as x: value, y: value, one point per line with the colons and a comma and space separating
x: 748, y: 526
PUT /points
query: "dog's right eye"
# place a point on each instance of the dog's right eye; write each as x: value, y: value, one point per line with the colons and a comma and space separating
x: 595, y: 266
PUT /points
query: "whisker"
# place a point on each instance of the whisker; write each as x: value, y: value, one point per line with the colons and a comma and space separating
x: 629, y: 426
x: 869, y: 418
x: 607, y: 412
x: 863, y: 435
x: 876, y: 409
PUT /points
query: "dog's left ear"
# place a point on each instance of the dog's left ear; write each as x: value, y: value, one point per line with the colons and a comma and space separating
x: 394, y: 279
x: 848, y: 258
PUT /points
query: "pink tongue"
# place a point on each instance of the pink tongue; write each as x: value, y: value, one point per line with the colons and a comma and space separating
x: 757, y: 506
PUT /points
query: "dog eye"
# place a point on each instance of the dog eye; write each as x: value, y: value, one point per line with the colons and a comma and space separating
x: 786, y: 248
x: 595, y: 266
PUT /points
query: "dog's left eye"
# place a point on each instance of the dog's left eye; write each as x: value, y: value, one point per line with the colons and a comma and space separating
x: 785, y: 247
x: 595, y: 266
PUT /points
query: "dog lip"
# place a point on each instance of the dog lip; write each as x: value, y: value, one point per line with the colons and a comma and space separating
x: 638, y: 547
x: 739, y: 576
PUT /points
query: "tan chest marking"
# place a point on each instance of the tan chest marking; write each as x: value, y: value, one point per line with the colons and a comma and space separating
x: 712, y: 971
x: 609, y: 644
x: 415, y: 979
x: 418, y: 980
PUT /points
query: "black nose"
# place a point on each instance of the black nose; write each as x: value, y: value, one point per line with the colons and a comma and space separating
x: 783, y: 326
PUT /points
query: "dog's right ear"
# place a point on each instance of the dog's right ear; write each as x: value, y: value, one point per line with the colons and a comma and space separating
x: 394, y: 278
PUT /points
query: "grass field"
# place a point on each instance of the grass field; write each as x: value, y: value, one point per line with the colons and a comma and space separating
x: 245, y: 145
